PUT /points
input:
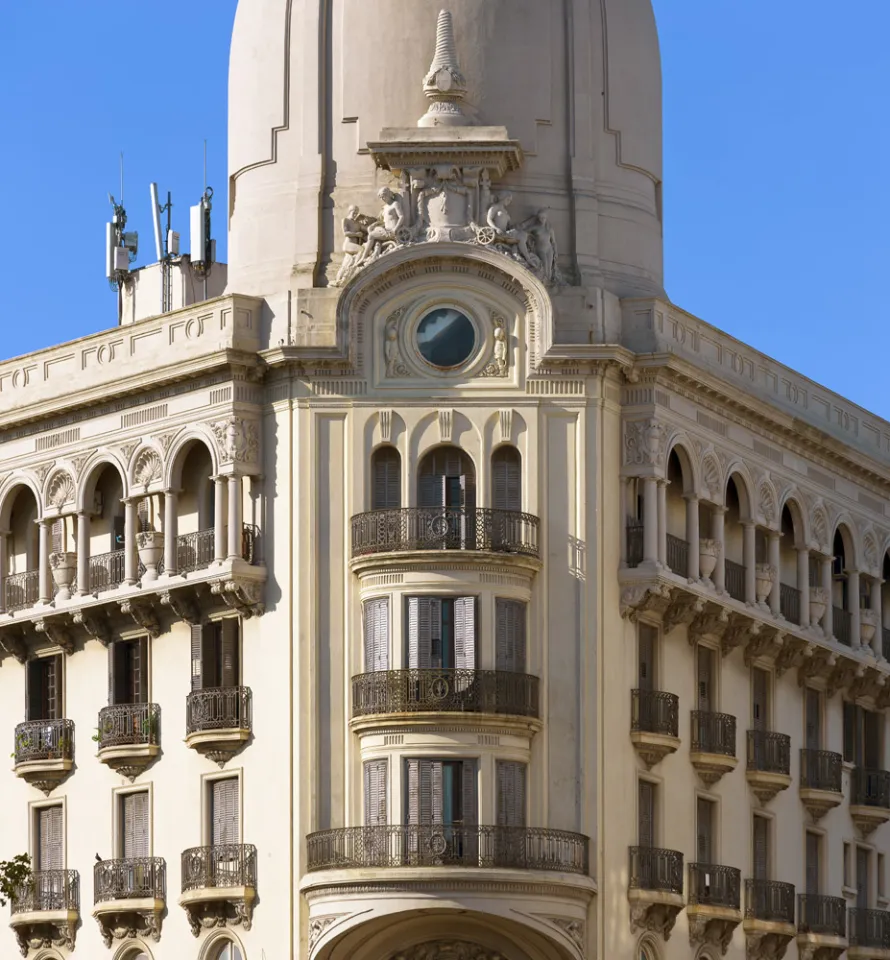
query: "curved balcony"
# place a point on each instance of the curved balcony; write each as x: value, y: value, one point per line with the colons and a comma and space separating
x: 869, y: 798
x: 21, y: 590
x: 769, y: 763
x: 821, y: 778
x: 44, y: 752
x: 821, y: 926
x: 769, y: 915
x: 129, y: 897
x: 655, y: 890
x: 654, y: 724
x: 219, y: 721
x: 439, y: 845
x: 428, y: 529
x: 869, y: 934
x: 219, y: 885
x: 46, y: 908
x: 714, y: 907
x: 128, y: 735
x: 713, y: 745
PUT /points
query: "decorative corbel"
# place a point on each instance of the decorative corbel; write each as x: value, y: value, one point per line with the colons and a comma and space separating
x: 844, y: 672
x: 712, y: 621
x: 142, y: 614
x: 245, y: 596
x: 95, y: 625
x: 791, y: 655
x: 683, y: 608
x: 816, y: 662
x: 13, y: 643
x: 740, y: 631
x: 181, y: 606
x: 766, y: 642
x: 54, y: 630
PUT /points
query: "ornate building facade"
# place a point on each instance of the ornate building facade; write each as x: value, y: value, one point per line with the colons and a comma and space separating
x: 441, y: 591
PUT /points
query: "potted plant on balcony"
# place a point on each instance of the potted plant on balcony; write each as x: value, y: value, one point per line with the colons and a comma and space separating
x: 63, y: 566
x: 868, y: 625
x: 150, y: 545
x: 818, y: 604
x: 708, y: 553
x: 14, y: 874
x: 765, y: 576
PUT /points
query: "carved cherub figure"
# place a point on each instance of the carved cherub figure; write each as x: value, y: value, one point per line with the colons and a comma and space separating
x: 391, y: 349
x: 500, y: 349
x: 544, y: 237
x: 392, y: 219
x: 498, y: 218
x: 354, y: 235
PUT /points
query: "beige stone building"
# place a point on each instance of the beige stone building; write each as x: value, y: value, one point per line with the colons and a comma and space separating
x: 436, y: 589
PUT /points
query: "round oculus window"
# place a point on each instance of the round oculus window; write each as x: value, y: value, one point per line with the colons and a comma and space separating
x: 446, y: 337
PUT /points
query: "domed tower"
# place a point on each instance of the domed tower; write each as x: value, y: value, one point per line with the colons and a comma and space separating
x: 575, y: 86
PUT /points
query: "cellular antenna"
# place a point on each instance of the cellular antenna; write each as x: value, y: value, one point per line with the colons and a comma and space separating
x: 202, y: 246
x: 166, y: 245
x: 121, y: 246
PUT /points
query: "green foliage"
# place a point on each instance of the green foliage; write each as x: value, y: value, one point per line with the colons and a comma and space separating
x: 13, y: 874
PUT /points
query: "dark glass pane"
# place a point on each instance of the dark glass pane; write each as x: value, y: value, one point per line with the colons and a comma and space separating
x: 446, y: 337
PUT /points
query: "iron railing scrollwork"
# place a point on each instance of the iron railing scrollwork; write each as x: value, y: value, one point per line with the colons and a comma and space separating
x: 452, y: 691
x: 634, y: 534
x: 654, y: 869
x: 219, y: 708
x: 107, y: 570
x: 444, y: 528
x: 713, y: 885
x: 735, y: 580
x: 44, y: 740
x: 130, y: 878
x: 789, y: 602
x: 713, y: 733
x: 22, y: 590
x: 652, y: 711
x: 822, y: 916
x: 128, y: 724
x: 221, y: 865
x: 842, y: 622
x: 769, y: 752
x: 47, y: 890
x: 678, y: 556
x: 821, y: 770
x: 769, y: 900
x: 869, y: 928
x: 194, y: 551
x: 870, y: 788
x: 448, y: 845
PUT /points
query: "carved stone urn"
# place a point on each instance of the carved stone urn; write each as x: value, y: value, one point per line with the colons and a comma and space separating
x: 765, y: 576
x: 64, y: 567
x: 708, y: 552
x: 150, y: 545
x: 818, y: 604
x: 868, y: 624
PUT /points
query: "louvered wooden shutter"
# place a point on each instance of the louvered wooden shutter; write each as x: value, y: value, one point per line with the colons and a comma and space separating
x: 140, y: 670
x: 50, y: 842
x: 431, y: 493
x: 210, y: 654
x: 646, y: 642
x: 424, y: 632
x: 412, y: 791
x: 143, y: 515
x: 506, y: 479
x: 135, y: 825
x: 703, y: 828
x: 387, y: 480
x: 646, y: 814
x: 375, y: 617
x: 228, y: 655
x: 465, y: 633
x: 759, y: 704
x: 704, y: 678
x: 197, y: 657
x: 761, y: 848
x: 53, y: 688
x: 850, y: 732
x: 871, y: 755
x: 431, y: 791
x: 814, y: 720
x: 376, y: 772
x: 813, y: 867
x: 511, y: 793
x: 468, y: 491
x: 510, y: 640
x: 57, y: 537
x: 469, y: 804
x: 862, y: 890
x: 35, y: 690
x: 225, y: 812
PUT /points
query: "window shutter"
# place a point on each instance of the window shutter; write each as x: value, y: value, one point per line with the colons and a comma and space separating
x: 122, y: 657
x: 759, y: 705
x: 210, y: 650
x: 35, y: 690
x: 57, y: 537
x: 812, y: 866
x: 704, y: 678
x: 134, y: 829
x: 53, y: 685
x: 862, y: 892
x: 703, y: 828
x: 872, y: 746
x: 511, y: 793
x: 225, y: 811
x: 849, y: 732
x: 510, y: 643
x: 375, y: 792
x: 646, y: 643
x: 469, y: 804
x: 376, y: 634
x: 412, y: 778
x: 50, y: 847
x: 465, y: 633
x: 646, y: 814
x: 424, y: 627
x: 814, y: 720
x: 761, y: 848
x: 387, y: 492
x: 431, y: 803
x: 143, y: 515
x: 229, y: 635
x: 197, y: 659
x: 468, y: 491
x: 431, y: 494
x: 112, y: 673
x: 140, y: 671
x: 506, y: 479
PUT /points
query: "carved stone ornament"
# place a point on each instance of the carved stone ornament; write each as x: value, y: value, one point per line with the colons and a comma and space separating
x: 708, y: 930
x: 95, y: 625
x: 245, y: 596
x: 238, y: 440
x: 447, y: 950
x: 42, y: 470
x: 206, y: 915
x: 182, y: 606
x: 654, y: 917
x: 55, y: 630
x: 499, y: 365
x: 318, y: 926
x: 819, y: 951
x: 573, y: 929
x: 127, y: 450
x: 165, y: 439
x: 392, y: 352
x: 644, y: 442
x: 768, y: 509
x: 766, y: 945
x: 61, y: 489
x: 42, y: 936
x: 142, y: 614
x: 644, y: 597
x: 129, y: 926
x: 14, y: 644
x: 148, y: 468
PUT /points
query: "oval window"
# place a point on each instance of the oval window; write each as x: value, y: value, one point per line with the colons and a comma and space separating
x: 446, y: 338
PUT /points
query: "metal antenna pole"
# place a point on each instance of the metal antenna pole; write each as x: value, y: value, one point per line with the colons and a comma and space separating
x: 206, y: 266
x: 122, y: 177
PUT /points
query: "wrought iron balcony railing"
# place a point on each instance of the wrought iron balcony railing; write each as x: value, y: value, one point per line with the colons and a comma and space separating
x: 21, y: 590
x: 678, y: 556
x: 444, y: 528
x: 885, y: 642
x: 194, y: 551
x: 107, y: 570
x: 452, y: 845
x: 222, y: 865
x: 869, y: 928
x: 770, y: 901
x: 712, y: 885
x: 219, y: 708
x: 451, y: 691
x: 735, y: 580
x: 131, y: 878
x: 769, y: 752
x: 47, y: 890
x: 821, y: 770
x: 789, y: 603
x: 652, y: 711
x: 654, y: 869
x: 129, y: 724
x: 634, y: 534
x: 842, y: 622
x: 870, y: 788
x: 713, y: 733
x: 44, y: 740
x: 822, y: 916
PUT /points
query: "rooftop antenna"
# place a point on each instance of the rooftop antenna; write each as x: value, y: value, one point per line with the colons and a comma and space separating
x: 166, y: 245
x: 201, y: 245
x: 121, y: 246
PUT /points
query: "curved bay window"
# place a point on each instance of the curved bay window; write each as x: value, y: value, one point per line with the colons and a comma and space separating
x: 386, y: 479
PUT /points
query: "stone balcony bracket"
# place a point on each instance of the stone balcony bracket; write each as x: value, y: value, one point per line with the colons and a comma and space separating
x: 45, y: 775
x: 819, y: 802
x: 818, y: 946
x: 766, y: 785
x: 129, y: 760
x: 868, y: 953
x: 767, y: 940
x: 712, y: 766
x: 44, y: 929
x: 654, y: 910
x: 652, y: 748
x: 867, y: 818
x: 712, y: 925
x: 218, y: 907
x: 127, y: 919
x: 218, y: 745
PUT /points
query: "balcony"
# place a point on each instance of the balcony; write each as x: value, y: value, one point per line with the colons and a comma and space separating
x: 219, y: 721
x: 128, y: 735
x: 713, y: 751
x: 735, y: 580
x: 654, y: 724
x: 635, y: 550
x: 44, y: 752
x: 655, y: 889
x: 869, y: 798
x: 107, y: 571
x: 769, y: 764
x: 219, y: 885
x: 714, y: 907
x: 821, y: 927
x: 842, y: 622
x: 425, y: 530
x: 869, y: 934
x: 789, y: 603
x: 194, y: 551
x: 21, y: 590
x: 129, y: 897
x: 821, y: 777
x: 769, y: 917
x: 677, y: 556
x: 46, y: 909
x: 438, y: 845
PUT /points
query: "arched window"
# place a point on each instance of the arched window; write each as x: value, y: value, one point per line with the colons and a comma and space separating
x: 386, y: 479
x: 447, y: 478
x: 228, y: 951
x: 506, y: 479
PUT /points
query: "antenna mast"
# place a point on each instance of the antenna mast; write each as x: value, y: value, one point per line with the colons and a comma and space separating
x: 121, y: 247
x: 202, y: 246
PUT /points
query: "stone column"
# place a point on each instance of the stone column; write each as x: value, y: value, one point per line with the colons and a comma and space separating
x: 4, y: 567
x: 84, y: 522
x: 662, y: 522
x: 44, y: 590
x: 775, y: 561
x: 622, y: 506
x: 803, y: 584
x: 171, y: 533
x: 877, y: 643
x: 828, y: 619
x: 650, y: 521
x: 853, y: 604
x: 718, y: 515
x: 235, y: 522
x: 219, y: 519
x: 131, y: 522
x: 749, y: 555
x: 692, y: 536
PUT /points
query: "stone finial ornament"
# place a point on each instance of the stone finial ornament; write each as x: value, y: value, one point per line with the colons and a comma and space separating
x: 444, y: 84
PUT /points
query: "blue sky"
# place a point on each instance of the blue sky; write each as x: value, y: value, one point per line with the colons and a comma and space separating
x: 777, y: 164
